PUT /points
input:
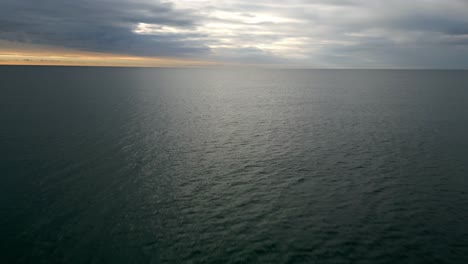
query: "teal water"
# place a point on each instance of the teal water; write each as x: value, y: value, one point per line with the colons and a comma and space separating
x: 122, y: 165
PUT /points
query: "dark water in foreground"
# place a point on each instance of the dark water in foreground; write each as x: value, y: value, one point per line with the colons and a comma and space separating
x: 107, y: 165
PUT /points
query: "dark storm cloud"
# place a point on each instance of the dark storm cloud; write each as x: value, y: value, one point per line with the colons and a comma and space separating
x: 105, y: 26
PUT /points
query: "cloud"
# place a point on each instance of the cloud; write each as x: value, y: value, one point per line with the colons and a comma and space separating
x: 317, y: 33
x: 105, y: 26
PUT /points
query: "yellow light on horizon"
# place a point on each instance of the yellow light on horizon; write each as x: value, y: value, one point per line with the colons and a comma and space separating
x: 28, y: 54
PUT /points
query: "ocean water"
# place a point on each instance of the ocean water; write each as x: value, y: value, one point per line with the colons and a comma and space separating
x: 128, y: 165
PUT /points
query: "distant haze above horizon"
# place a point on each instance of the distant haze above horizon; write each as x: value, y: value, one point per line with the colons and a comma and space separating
x: 292, y: 33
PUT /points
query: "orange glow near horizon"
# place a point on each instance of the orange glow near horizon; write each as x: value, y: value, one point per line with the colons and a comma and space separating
x: 26, y: 54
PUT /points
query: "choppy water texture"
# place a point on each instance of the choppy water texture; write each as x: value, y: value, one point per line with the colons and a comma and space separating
x: 115, y: 165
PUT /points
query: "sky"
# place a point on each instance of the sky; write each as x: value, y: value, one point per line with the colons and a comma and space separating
x: 289, y: 33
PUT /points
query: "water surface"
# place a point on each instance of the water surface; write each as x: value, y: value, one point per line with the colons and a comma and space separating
x: 122, y: 165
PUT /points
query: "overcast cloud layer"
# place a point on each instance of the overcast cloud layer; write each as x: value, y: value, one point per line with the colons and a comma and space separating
x: 314, y: 33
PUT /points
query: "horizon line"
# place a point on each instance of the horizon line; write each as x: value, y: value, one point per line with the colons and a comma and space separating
x: 221, y: 66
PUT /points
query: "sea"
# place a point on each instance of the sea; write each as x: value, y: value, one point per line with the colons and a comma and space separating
x: 166, y: 165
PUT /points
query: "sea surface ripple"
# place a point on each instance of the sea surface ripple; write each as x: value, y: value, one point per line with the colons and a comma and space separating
x: 121, y: 165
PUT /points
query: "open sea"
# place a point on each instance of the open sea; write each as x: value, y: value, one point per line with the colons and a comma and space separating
x: 134, y: 165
